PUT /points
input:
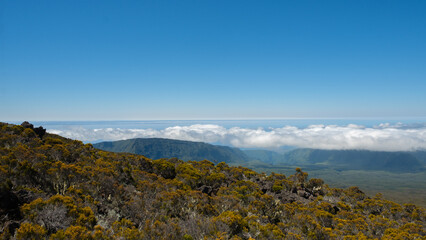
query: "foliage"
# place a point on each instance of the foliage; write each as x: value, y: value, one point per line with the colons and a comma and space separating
x: 57, y: 188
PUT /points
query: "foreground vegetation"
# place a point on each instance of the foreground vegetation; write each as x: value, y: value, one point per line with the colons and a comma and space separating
x: 57, y: 188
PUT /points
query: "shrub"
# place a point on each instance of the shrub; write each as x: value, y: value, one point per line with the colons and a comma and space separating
x: 30, y: 231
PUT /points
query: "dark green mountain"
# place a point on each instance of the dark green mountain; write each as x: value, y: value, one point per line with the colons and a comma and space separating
x: 156, y: 148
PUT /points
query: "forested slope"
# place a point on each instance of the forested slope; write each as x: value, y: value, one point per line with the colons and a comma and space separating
x: 57, y: 188
x: 156, y: 148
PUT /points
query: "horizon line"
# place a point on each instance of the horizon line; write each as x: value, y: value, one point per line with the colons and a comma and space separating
x: 226, y: 119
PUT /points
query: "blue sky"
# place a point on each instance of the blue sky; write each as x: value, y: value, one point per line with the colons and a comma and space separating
x: 118, y: 60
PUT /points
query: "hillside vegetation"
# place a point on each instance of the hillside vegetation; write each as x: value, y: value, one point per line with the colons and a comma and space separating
x: 57, y: 188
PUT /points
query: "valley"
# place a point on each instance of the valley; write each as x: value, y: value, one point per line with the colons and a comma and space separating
x: 399, y: 176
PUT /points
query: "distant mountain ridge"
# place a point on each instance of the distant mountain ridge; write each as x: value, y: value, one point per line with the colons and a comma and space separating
x: 357, y: 159
x: 345, y: 159
x: 156, y: 148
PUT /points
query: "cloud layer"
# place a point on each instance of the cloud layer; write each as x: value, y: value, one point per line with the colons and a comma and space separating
x: 384, y: 137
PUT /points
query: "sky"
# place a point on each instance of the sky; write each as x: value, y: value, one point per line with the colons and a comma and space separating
x: 135, y: 60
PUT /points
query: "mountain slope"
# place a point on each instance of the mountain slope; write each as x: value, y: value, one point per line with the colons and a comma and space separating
x: 57, y: 188
x: 156, y: 148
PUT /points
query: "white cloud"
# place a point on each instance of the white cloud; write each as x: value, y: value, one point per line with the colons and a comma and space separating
x: 384, y: 137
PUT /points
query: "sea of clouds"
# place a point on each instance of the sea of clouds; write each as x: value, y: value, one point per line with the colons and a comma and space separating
x: 383, y: 137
